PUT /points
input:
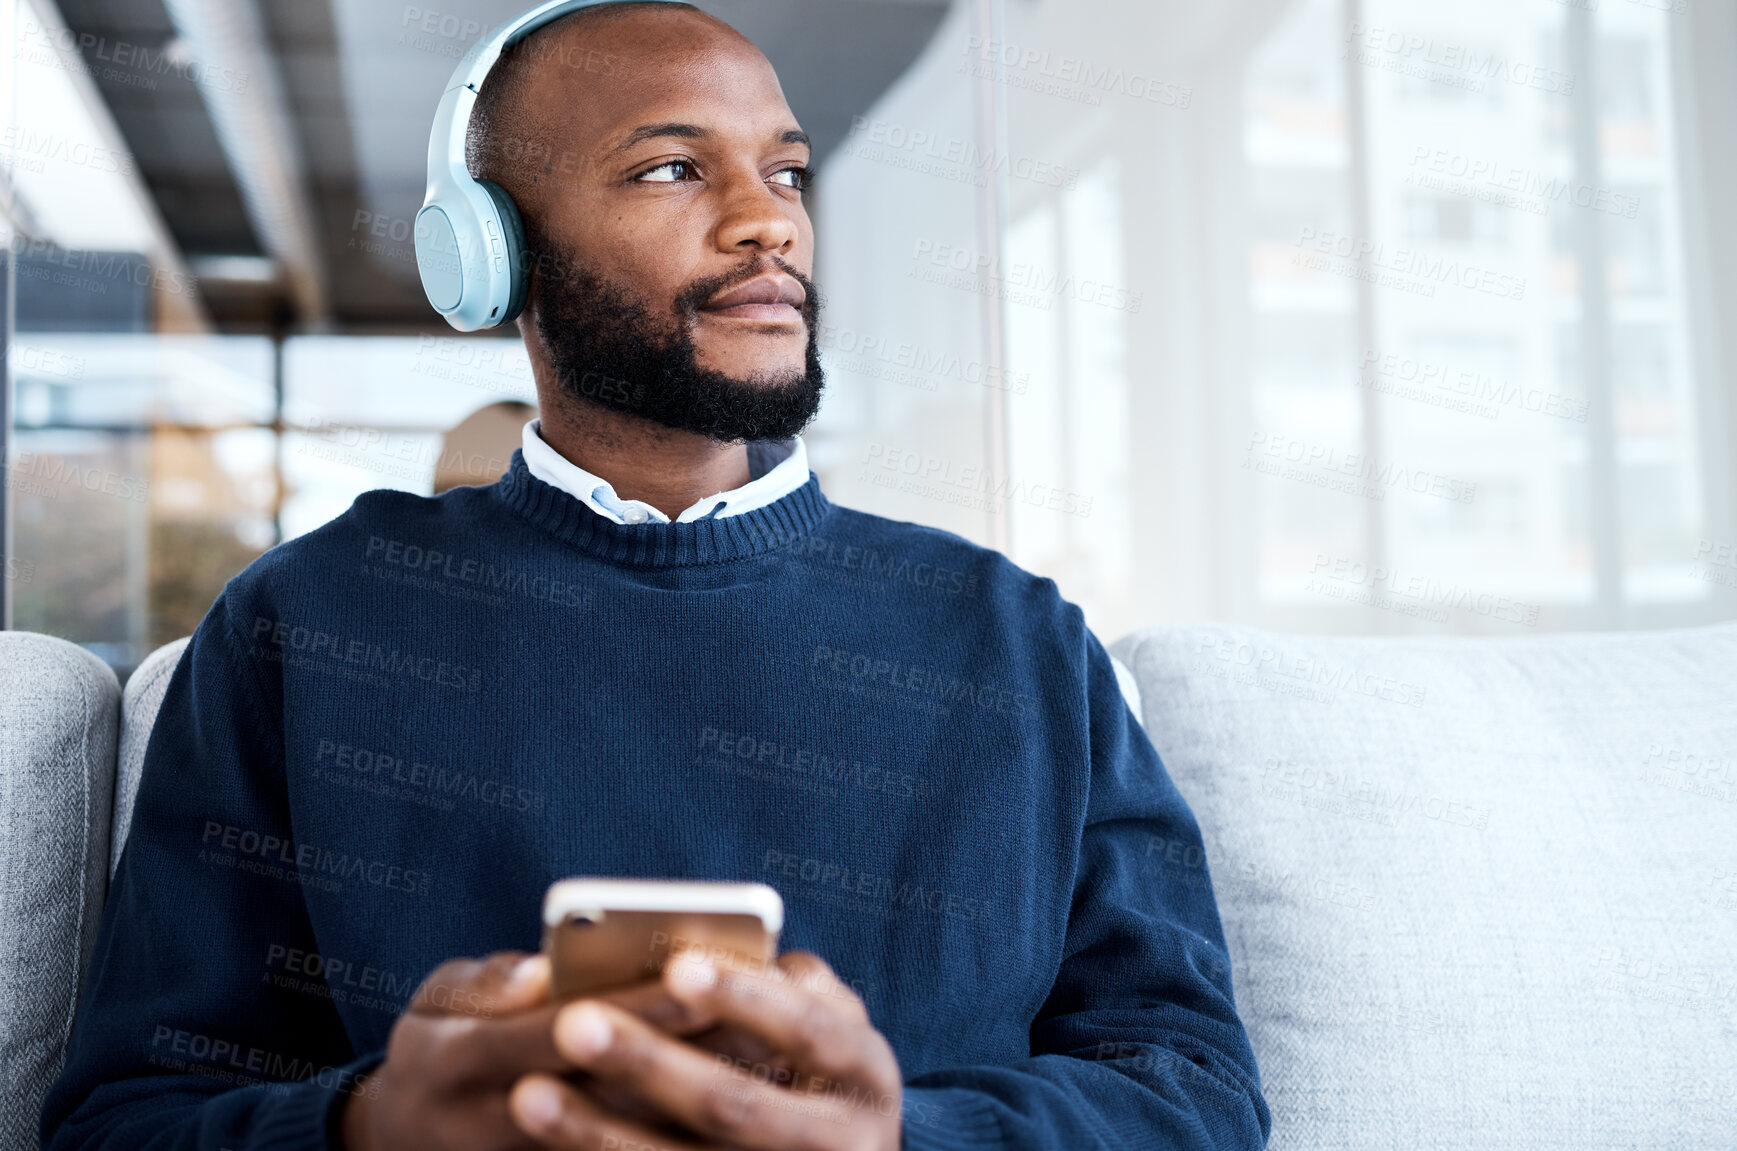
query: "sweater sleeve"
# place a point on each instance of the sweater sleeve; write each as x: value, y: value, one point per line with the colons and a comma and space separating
x: 1138, y: 1044
x: 183, y: 1038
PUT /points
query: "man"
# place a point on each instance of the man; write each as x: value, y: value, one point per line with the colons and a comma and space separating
x: 653, y: 649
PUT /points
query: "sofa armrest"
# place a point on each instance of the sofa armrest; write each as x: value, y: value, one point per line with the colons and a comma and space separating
x: 59, y: 716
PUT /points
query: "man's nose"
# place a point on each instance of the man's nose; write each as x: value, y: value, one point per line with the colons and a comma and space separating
x: 754, y: 217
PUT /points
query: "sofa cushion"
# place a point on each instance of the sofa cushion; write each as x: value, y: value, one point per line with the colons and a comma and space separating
x: 139, y: 704
x: 1478, y: 893
x: 58, y: 718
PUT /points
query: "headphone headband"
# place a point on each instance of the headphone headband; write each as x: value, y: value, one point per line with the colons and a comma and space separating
x: 470, y: 246
x: 474, y: 68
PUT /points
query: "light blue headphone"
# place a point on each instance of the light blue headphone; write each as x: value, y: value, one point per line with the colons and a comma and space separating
x: 470, y: 242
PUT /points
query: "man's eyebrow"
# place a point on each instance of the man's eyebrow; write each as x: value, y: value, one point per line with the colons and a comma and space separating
x: 658, y: 131
x: 694, y: 132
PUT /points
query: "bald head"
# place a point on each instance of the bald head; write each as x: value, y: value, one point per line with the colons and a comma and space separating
x: 515, y: 137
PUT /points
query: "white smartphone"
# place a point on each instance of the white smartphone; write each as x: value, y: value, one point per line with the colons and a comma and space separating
x: 606, y: 933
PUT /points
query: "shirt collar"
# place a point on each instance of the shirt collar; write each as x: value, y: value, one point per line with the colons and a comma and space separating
x: 778, y: 467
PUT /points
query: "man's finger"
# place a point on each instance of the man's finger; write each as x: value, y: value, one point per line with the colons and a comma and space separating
x: 478, y: 1041
x: 816, y: 1022
x: 512, y: 981
x: 502, y: 984
x: 558, y: 1116
x: 710, y: 1094
x: 501, y: 1049
x: 652, y: 1002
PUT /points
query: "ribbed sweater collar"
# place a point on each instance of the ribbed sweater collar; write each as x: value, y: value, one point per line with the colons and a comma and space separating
x: 709, y: 541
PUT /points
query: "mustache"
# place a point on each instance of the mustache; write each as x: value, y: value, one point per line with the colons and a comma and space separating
x: 690, y: 299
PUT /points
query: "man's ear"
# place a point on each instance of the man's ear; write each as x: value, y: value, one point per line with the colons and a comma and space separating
x: 542, y: 264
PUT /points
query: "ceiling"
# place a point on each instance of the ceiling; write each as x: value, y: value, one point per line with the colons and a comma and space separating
x: 361, y: 79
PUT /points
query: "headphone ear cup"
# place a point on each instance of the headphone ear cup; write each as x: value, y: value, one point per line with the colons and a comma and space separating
x: 518, y: 259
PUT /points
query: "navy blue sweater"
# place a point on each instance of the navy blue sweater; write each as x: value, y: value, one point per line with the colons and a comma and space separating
x: 390, y: 736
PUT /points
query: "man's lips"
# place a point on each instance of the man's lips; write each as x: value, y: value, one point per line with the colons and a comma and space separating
x: 774, y: 297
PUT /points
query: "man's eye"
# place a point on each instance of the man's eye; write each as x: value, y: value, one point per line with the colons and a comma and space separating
x: 797, y: 178
x: 670, y: 173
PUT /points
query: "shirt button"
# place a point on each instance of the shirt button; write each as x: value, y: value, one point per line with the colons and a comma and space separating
x: 635, y: 515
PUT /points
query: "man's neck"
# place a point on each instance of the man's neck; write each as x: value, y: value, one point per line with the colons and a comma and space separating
x: 670, y: 470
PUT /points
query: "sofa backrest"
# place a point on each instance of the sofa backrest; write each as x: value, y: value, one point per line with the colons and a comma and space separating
x: 1478, y: 892
x: 59, y: 719
x: 139, y: 704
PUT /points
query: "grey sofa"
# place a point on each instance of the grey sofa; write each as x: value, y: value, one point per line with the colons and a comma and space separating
x: 1479, y: 893
x: 71, y: 746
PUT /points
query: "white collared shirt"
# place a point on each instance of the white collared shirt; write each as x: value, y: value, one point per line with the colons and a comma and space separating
x: 777, y: 467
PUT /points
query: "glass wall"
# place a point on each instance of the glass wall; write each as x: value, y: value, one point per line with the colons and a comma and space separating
x: 152, y: 457
x: 341, y: 439
x: 1348, y: 315
x: 150, y: 468
x: 142, y: 479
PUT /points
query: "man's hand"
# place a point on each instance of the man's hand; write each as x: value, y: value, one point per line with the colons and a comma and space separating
x: 473, y: 1029
x: 826, y: 1079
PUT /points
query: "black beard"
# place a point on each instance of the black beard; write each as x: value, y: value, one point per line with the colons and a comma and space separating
x: 610, y: 351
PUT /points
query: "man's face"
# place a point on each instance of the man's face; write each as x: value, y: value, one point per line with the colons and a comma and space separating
x: 665, y: 210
